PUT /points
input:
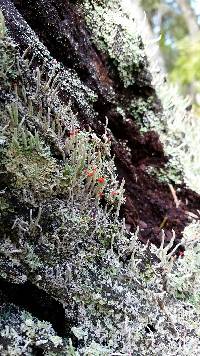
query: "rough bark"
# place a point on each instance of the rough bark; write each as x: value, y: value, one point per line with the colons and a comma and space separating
x: 49, y: 251
x: 60, y: 26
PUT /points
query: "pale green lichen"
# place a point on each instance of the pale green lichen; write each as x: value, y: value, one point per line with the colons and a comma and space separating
x: 4, y: 205
x: 184, y: 279
x: 21, y: 334
x: 178, y: 129
x: 114, y: 32
x: 181, y: 136
x: 143, y: 112
x: 168, y: 174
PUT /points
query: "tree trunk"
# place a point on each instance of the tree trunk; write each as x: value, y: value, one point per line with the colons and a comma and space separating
x: 109, y: 83
x: 189, y: 16
x: 61, y: 28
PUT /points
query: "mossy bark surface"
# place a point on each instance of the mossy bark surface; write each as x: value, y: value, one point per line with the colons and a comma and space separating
x: 61, y: 27
x: 69, y: 104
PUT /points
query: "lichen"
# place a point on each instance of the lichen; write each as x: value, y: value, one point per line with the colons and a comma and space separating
x: 65, y: 237
x: 119, y: 35
x: 183, y: 280
x: 22, y: 334
x: 114, y: 32
x: 116, y: 28
x: 177, y: 127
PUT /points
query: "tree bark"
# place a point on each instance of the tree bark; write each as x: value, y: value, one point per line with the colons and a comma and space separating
x: 59, y: 26
x: 64, y: 257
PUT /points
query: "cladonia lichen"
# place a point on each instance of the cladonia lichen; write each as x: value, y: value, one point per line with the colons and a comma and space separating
x: 61, y: 231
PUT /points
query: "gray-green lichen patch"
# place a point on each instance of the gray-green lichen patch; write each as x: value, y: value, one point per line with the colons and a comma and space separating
x: 144, y: 113
x: 183, y: 281
x: 168, y: 174
x: 177, y: 127
x: 115, y: 33
x: 21, y: 334
x: 32, y: 171
x: 181, y: 135
x: 4, y: 205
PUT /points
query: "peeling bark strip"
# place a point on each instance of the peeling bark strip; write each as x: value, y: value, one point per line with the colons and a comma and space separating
x: 61, y: 28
